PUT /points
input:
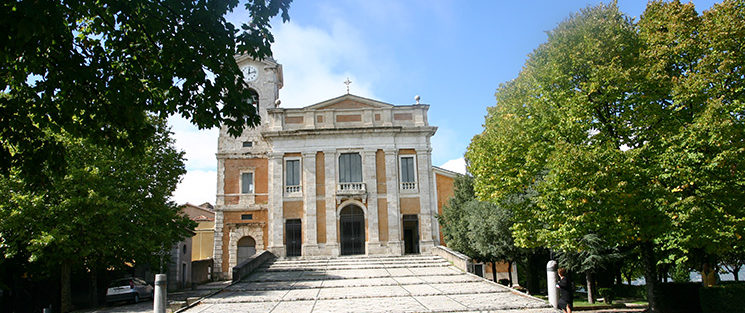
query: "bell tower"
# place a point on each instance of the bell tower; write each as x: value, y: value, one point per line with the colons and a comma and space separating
x: 264, y: 77
x: 242, y: 172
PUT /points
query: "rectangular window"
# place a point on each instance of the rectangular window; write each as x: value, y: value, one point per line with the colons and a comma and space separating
x: 247, y: 216
x: 248, y: 144
x: 247, y: 182
x: 407, y: 170
x: 292, y: 172
x: 350, y: 168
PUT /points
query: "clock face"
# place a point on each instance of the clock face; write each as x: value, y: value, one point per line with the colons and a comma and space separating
x: 250, y: 73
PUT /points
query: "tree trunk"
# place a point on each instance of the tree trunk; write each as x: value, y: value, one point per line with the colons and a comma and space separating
x: 650, y: 271
x: 494, y: 271
x: 509, y: 271
x: 94, y: 287
x: 65, y: 288
x: 533, y: 267
x: 735, y: 271
x: 619, y: 278
x: 590, y: 287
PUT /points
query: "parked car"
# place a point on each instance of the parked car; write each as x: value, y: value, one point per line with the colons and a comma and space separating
x: 128, y: 289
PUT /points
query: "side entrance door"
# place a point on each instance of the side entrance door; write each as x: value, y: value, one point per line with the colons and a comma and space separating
x: 293, y: 238
x: 411, y: 234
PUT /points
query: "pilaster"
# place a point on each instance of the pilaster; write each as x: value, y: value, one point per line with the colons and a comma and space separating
x: 310, y: 241
x: 276, y: 191
x: 370, y: 179
x: 332, y: 242
x: 394, y: 212
x: 217, y: 255
x: 425, y: 200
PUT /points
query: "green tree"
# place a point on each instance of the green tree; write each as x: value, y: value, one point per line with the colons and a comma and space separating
x: 454, y: 216
x: 95, y: 69
x: 478, y: 229
x: 631, y: 131
x: 111, y: 207
x: 490, y: 236
x: 597, y: 256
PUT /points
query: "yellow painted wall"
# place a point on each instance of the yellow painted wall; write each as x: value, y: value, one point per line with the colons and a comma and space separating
x: 202, y: 241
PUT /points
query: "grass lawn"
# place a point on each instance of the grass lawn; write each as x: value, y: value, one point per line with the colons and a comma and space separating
x: 618, y: 303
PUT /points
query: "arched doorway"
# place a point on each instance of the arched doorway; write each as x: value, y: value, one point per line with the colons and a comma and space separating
x: 352, y: 230
x: 246, y: 248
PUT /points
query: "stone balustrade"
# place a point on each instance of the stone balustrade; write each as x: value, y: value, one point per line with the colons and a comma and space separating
x: 408, y: 186
x: 284, y: 119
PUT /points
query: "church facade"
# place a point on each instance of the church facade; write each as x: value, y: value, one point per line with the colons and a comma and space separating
x: 345, y: 176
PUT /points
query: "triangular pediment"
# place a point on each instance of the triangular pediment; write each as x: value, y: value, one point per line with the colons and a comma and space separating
x: 349, y: 101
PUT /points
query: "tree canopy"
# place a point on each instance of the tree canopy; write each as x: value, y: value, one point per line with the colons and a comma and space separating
x: 629, y: 130
x: 96, y: 69
x: 110, y: 209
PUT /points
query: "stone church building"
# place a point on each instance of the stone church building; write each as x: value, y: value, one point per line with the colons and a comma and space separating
x: 345, y: 176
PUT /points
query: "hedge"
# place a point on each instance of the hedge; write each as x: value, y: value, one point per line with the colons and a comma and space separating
x: 728, y: 298
x: 678, y: 297
x: 630, y: 291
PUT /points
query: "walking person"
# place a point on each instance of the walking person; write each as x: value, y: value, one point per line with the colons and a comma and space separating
x: 566, y: 297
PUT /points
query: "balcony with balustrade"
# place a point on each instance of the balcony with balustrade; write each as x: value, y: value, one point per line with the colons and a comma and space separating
x: 294, y: 191
x: 356, y: 191
x: 408, y: 187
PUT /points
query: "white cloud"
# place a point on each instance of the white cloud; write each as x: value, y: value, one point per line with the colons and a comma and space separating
x: 196, y: 187
x: 316, y: 62
x: 200, y: 145
x: 456, y: 165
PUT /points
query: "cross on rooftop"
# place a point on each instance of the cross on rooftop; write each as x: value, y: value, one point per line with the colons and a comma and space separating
x: 347, y: 82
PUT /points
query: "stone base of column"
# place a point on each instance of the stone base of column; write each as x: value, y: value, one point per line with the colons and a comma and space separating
x: 312, y: 251
x: 220, y: 276
x: 279, y: 251
x: 376, y: 248
x: 425, y: 247
x: 331, y: 249
x: 396, y: 247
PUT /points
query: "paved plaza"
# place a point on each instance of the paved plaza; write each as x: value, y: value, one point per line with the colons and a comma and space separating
x: 421, y: 283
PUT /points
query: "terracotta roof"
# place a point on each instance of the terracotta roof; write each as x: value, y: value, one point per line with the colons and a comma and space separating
x: 202, y: 218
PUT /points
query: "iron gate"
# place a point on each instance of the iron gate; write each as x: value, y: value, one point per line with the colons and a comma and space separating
x: 352, y: 229
x: 411, y: 234
x: 292, y: 237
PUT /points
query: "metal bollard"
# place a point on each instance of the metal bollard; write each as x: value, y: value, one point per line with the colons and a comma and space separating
x: 159, y: 299
x: 553, y: 292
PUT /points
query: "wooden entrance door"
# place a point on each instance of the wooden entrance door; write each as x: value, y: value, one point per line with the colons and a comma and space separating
x: 293, y: 238
x: 352, y: 229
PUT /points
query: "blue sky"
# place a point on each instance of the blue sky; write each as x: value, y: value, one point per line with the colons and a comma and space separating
x: 454, y: 54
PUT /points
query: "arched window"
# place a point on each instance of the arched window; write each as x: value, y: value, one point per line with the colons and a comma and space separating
x: 246, y: 248
x: 253, y: 98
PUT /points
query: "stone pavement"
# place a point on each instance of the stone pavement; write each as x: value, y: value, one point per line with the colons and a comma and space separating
x: 421, y: 283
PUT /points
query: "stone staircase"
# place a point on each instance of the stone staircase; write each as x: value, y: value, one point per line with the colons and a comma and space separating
x: 415, y: 283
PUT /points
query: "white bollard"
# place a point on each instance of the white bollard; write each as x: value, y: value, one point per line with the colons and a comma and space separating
x: 553, y: 292
x: 159, y: 299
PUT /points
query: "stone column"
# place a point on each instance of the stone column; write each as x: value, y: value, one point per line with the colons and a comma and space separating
x: 220, y: 182
x: 310, y: 241
x: 276, y: 192
x: 217, y: 246
x: 425, y: 200
x: 395, y: 245
x: 371, y: 184
x: 332, y: 243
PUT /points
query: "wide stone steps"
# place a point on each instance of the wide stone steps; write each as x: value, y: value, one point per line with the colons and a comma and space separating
x: 352, y: 282
x: 274, y: 268
x: 418, y: 283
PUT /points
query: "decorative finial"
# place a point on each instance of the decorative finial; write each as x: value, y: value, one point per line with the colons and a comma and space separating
x: 277, y: 103
x: 417, y: 97
x: 347, y: 82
